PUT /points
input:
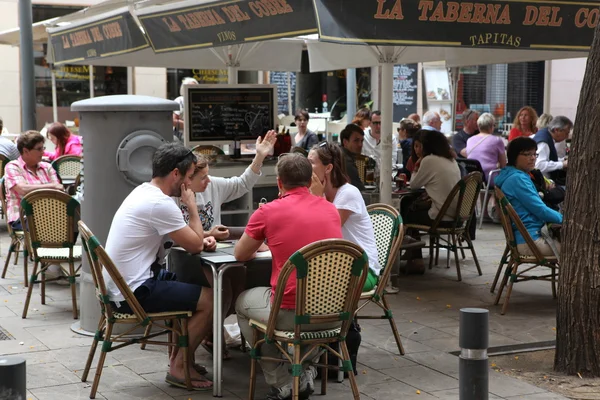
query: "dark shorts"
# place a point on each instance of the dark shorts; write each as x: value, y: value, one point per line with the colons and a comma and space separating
x: 162, y: 296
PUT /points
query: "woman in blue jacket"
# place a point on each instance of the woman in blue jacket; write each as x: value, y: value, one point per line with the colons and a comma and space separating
x: 516, y: 184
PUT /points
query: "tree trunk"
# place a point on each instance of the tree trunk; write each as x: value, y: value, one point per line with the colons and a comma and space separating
x: 578, y: 316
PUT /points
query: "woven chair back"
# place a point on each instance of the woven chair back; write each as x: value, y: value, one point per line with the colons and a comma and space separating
x: 67, y: 167
x: 387, y: 224
x: 389, y: 233
x: 50, y: 216
x: 361, y: 164
x: 329, y: 278
x: 465, y: 194
x: 511, y: 221
x: 99, y: 261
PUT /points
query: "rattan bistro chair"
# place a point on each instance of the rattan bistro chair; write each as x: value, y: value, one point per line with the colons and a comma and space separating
x: 50, y: 217
x: 17, y: 239
x: 512, y: 275
x: 168, y: 322
x: 361, y: 163
x: 67, y: 166
x: 329, y: 277
x: 465, y: 194
x: 389, y: 233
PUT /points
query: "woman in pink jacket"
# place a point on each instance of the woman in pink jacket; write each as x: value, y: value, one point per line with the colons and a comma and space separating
x: 64, y: 140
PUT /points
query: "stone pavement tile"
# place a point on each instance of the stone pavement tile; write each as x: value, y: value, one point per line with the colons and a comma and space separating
x: 74, y: 358
x: 49, y: 374
x: 59, y: 336
x: 495, y: 338
x: 394, y: 390
x: 38, y: 357
x: 381, y: 337
x: 23, y: 342
x: 115, y: 378
x: 375, y: 358
x: 438, y: 361
x: 158, y: 380
x: 454, y: 395
x: 419, y: 332
x: 37, y: 309
x: 208, y: 395
x: 446, y: 344
x: 422, y: 378
x: 539, y: 396
x: 369, y: 376
x: 30, y: 396
x: 433, y: 319
x: 77, y: 391
x: 6, y: 312
x: 505, y: 386
x: 145, y: 392
x: 145, y: 362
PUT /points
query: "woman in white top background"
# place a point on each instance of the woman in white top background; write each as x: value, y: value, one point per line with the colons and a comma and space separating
x: 330, y: 179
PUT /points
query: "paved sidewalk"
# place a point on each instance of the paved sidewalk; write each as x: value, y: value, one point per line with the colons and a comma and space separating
x: 426, y: 312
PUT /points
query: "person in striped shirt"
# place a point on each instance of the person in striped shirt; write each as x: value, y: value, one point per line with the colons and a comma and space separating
x: 26, y: 174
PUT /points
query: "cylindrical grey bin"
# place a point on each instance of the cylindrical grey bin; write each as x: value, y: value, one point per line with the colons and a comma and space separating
x: 120, y: 135
x: 13, y: 378
x: 473, y: 362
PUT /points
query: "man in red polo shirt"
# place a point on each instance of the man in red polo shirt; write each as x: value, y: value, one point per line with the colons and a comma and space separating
x: 289, y: 223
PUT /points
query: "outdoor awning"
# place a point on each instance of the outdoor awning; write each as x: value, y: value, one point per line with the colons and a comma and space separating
x: 506, y: 24
x: 193, y: 24
x: 12, y: 37
x: 102, y: 35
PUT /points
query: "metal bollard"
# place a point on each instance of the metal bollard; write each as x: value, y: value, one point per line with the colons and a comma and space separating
x: 473, y: 362
x: 12, y: 378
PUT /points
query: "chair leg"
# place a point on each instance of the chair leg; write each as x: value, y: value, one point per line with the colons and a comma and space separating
x: 390, y: 318
x: 461, y: 248
x: 486, y: 199
x: 437, y: 250
x: 554, y: 282
x: 503, y: 260
x: 93, y: 348
x: 509, y: 289
x: 73, y: 288
x: 296, y: 381
x: 7, y: 261
x: 146, y: 333
x: 324, y: 373
x: 351, y: 376
x: 431, y: 242
x: 43, y: 285
x: 25, y: 261
x: 507, y: 273
x: 29, y: 290
x: 254, y: 353
x: 17, y: 249
x: 455, y: 251
x: 243, y: 347
x: 470, y: 244
x: 105, y: 349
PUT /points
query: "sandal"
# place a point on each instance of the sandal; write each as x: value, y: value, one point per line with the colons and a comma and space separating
x: 171, y: 380
x: 208, y: 346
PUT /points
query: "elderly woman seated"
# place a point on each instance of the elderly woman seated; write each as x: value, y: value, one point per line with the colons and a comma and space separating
x: 519, y: 189
x: 485, y: 147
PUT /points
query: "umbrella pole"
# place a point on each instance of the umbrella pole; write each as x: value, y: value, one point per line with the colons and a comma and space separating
x: 232, y: 75
x: 454, y: 76
x: 387, y: 116
x: 54, y: 100
x: 91, y: 69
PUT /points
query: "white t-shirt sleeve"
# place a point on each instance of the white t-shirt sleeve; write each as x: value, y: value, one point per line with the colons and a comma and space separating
x: 348, y: 198
x: 166, y: 217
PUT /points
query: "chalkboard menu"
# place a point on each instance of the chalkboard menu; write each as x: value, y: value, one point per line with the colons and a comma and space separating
x: 228, y: 112
x: 405, y: 90
x: 281, y: 80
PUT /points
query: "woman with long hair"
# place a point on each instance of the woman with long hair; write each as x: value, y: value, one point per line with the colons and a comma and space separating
x: 437, y: 171
x: 524, y: 123
x: 407, y: 130
x: 362, y: 118
x: 64, y: 140
x: 330, y: 179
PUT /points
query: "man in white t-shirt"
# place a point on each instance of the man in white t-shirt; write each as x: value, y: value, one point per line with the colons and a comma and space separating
x: 135, y: 239
x: 372, y: 143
